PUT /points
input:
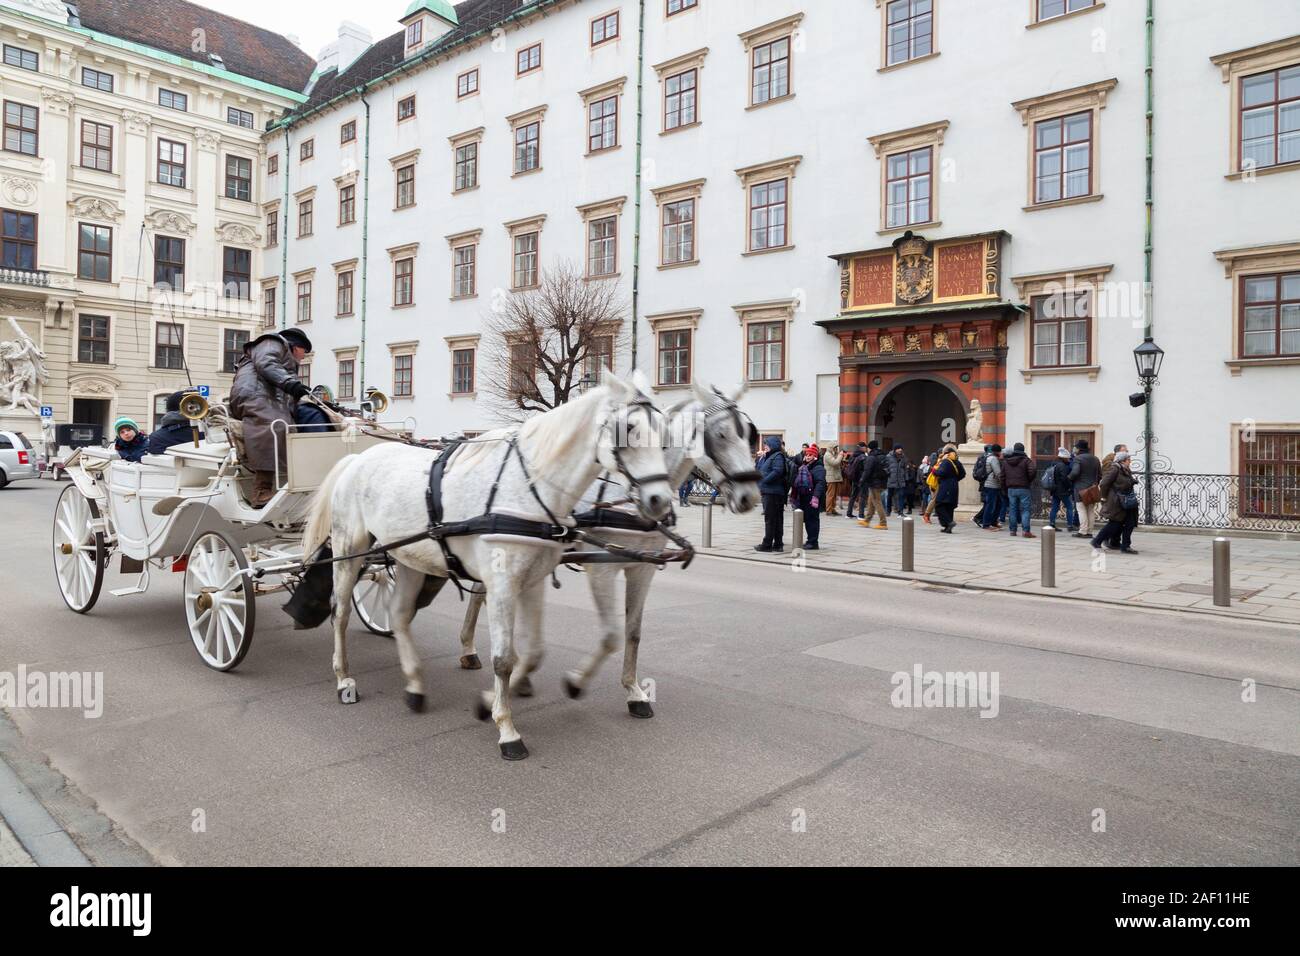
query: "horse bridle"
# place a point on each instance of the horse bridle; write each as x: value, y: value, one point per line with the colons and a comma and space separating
x: 739, y: 419
x: 634, y: 481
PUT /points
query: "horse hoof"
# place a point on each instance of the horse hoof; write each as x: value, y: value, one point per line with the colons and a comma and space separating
x: 524, y: 688
x: 572, y: 687
x: 415, y: 702
x: 514, y: 750
x: 348, y: 694
x: 640, y: 708
x: 470, y: 662
x: 481, y: 709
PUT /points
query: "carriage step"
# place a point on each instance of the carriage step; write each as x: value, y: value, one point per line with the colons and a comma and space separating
x: 141, y: 585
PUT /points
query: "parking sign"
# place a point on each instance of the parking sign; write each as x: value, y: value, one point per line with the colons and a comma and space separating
x: 204, y: 391
x: 47, y: 411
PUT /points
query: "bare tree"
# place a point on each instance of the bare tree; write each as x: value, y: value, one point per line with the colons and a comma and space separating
x: 540, y: 343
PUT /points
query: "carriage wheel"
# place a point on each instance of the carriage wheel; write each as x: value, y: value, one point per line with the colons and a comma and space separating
x: 79, y: 553
x: 373, y: 597
x: 220, y: 609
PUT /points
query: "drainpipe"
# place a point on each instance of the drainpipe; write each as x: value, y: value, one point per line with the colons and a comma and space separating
x: 636, y: 228
x: 365, y: 245
x: 284, y: 237
x: 1148, y: 299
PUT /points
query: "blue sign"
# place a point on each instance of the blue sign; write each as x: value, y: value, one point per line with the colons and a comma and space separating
x: 47, y: 411
x: 204, y: 390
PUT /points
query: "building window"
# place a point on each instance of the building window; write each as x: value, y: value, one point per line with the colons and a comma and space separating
x: 19, y: 240
x: 1270, y: 118
x: 677, y: 6
x: 1270, y: 315
x: 347, y: 205
x: 92, y: 339
x: 765, y: 358
x: 97, y: 79
x: 273, y: 229
x: 771, y: 71
x: 525, y: 261
x: 22, y: 128
x: 403, y: 282
x: 679, y: 99
x: 1063, y: 157
x: 347, y: 378
x: 528, y: 59
x: 304, y: 300
x: 604, y: 29
x: 345, y: 283
x: 237, y: 273
x: 169, y: 263
x: 463, y: 271
x: 1049, y: 9
x: 1061, y: 330
x: 23, y: 59
x: 268, y: 307
x: 169, y: 345
x: 602, y: 124
x: 238, y: 117
x: 466, y: 166
x: 528, y: 143
x: 94, y: 253
x: 273, y: 165
x: 97, y: 146
x: 306, y: 150
x: 173, y: 100
x: 171, y: 163
x: 522, y: 370
x: 232, y: 348
x: 909, y: 30
x: 907, y: 188
x: 767, y: 215
x: 306, y: 215
x: 675, y: 357
x: 462, y: 371
x: 304, y: 373
x: 406, y: 108
x: 414, y: 35
x: 600, y: 356
x: 678, y: 232
x: 467, y: 83
x: 602, y: 246
x: 348, y: 132
x: 405, y: 186
x: 1270, y: 475
x: 403, y: 367
x: 239, y: 178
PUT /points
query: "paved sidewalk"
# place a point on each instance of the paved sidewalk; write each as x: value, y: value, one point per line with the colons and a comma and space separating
x: 1170, y: 570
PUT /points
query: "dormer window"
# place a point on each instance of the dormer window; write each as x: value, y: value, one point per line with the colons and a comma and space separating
x: 414, y: 35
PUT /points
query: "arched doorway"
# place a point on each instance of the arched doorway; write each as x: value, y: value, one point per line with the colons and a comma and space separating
x: 921, y: 414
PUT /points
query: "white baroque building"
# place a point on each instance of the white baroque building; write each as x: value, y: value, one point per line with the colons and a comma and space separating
x: 871, y: 211
x: 132, y: 156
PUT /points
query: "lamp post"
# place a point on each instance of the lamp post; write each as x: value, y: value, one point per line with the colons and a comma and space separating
x: 586, y: 383
x: 1148, y: 357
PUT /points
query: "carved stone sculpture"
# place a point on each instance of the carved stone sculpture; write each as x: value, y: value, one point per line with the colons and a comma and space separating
x: 22, y: 371
x: 975, y: 423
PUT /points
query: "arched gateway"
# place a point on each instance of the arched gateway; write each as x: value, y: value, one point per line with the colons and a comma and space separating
x: 922, y: 331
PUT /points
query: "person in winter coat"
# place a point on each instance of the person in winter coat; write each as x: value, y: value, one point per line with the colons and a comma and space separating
x: 175, y: 428
x: 771, y: 485
x: 833, y: 461
x: 809, y: 495
x: 896, y: 461
x: 874, y: 476
x: 923, y: 487
x: 909, y: 487
x: 130, y: 444
x: 1018, y: 471
x: 980, y: 475
x: 1085, y: 473
x: 1062, y: 491
x: 265, y: 390
x: 992, y: 489
x: 1119, y: 505
x: 950, y: 472
x: 852, y: 474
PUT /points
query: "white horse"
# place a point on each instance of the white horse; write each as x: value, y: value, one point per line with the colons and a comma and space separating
x: 535, y: 472
x: 709, y: 432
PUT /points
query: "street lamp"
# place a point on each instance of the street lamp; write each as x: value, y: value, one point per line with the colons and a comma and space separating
x: 586, y: 383
x: 1148, y: 357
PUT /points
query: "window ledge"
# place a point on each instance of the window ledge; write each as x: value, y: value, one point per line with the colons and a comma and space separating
x: 764, y: 252
x: 899, y: 66
x: 526, y: 172
x: 1091, y: 371
x: 1236, y: 365
x: 612, y: 275
x: 602, y: 152
x: 407, y: 305
x: 772, y: 102
x: 1056, y: 204
x: 783, y: 384
x: 671, y: 388
x: 462, y: 298
x: 1262, y: 171
x: 455, y: 395
x: 92, y: 365
x: 1064, y: 16
x: 679, y: 265
x: 465, y: 189
x: 404, y: 208
x: 932, y: 224
x: 682, y: 128
x: 345, y: 315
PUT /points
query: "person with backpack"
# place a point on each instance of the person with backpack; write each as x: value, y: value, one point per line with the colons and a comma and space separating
x: 1085, y: 475
x: 1119, y: 506
x: 852, y: 474
x: 1056, y: 482
x: 992, y: 491
x: 773, y: 486
x: 874, y: 477
x: 980, y: 472
x: 896, y: 481
x: 808, y: 494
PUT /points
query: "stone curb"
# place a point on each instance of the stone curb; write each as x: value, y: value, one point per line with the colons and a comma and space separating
x: 38, y: 832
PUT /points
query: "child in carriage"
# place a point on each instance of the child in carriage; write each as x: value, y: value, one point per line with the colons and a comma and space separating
x: 130, y: 444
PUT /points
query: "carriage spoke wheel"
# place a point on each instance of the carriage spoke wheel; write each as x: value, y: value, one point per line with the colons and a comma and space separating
x: 79, y: 553
x: 372, y: 599
x: 219, y: 605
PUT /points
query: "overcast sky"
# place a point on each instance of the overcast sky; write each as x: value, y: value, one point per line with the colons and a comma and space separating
x: 315, y: 22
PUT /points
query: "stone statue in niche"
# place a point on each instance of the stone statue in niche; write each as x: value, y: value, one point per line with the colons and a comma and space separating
x: 975, y: 423
x: 22, y: 370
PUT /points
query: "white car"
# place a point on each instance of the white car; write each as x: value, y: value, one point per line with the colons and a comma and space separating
x: 17, y: 460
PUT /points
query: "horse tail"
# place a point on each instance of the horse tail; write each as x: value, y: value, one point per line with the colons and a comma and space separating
x: 321, y: 514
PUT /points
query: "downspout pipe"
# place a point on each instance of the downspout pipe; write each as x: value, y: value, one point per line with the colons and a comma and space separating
x: 1149, y: 252
x: 284, y: 237
x: 365, y: 245
x: 636, y: 228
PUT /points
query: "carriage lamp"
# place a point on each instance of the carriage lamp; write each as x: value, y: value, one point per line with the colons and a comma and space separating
x: 1148, y: 356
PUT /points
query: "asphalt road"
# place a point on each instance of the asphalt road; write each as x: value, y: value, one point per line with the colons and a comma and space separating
x: 774, y: 740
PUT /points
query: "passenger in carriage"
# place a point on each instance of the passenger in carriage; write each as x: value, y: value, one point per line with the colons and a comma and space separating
x: 310, y: 416
x: 130, y: 444
x: 266, y: 390
x: 175, y: 428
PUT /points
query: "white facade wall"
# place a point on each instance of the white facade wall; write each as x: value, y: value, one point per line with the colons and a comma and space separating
x: 988, y: 58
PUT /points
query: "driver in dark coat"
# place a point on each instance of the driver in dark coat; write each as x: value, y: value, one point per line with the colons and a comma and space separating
x: 265, y: 390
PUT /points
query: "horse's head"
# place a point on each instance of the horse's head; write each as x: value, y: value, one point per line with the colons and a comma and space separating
x: 723, y: 446
x: 632, y: 445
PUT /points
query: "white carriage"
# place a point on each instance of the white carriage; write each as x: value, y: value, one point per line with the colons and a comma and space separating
x: 186, y: 511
